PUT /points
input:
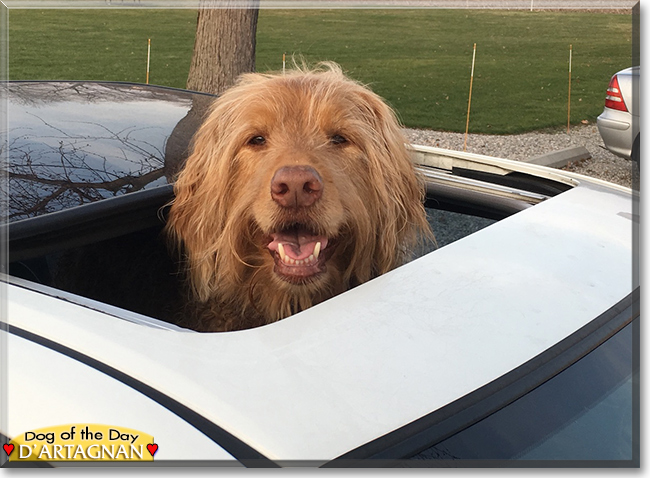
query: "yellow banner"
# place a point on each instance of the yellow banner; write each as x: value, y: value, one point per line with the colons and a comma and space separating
x: 82, y: 442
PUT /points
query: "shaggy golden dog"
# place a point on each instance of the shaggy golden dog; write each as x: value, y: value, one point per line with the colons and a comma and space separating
x: 299, y: 186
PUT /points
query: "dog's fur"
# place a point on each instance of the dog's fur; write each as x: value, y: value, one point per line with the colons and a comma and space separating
x: 368, y: 211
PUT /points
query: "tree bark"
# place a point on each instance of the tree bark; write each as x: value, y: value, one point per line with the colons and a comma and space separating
x: 224, y: 46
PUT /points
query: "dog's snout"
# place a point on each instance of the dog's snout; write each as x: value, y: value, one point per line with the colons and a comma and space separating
x: 296, y: 186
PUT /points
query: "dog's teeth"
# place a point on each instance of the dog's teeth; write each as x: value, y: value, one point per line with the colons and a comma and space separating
x: 298, y: 262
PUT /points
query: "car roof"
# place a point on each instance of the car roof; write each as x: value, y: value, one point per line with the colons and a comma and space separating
x: 334, y: 377
x: 413, y: 341
x: 632, y: 70
x: 79, y: 394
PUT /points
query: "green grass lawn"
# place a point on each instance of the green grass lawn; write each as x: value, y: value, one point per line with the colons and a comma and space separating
x: 419, y: 60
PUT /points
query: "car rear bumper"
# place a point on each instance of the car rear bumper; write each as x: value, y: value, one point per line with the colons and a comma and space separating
x: 616, y: 133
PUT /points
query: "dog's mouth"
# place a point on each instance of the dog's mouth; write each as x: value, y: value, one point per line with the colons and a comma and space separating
x: 299, y: 253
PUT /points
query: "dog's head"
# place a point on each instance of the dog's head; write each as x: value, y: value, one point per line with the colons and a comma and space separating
x: 298, y: 187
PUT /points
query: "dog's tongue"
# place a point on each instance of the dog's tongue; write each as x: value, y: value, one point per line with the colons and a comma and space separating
x: 297, y: 245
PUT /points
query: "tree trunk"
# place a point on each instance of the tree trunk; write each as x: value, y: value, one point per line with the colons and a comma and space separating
x: 224, y: 46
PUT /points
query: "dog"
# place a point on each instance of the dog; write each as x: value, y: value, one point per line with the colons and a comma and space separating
x: 299, y: 186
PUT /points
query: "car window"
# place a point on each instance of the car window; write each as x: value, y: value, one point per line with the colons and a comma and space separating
x: 449, y: 226
x: 73, y: 143
x: 583, y: 413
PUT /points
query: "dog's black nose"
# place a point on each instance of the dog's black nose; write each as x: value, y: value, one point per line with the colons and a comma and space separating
x: 296, y: 186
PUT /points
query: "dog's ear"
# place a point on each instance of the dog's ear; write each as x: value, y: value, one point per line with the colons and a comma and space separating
x: 200, y: 206
x: 398, y: 205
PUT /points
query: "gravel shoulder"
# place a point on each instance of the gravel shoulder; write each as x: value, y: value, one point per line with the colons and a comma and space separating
x: 521, y: 147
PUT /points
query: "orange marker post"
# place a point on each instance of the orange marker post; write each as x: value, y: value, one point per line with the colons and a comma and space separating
x: 148, y: 57
x: 568, y: 122
x: 469, y: 102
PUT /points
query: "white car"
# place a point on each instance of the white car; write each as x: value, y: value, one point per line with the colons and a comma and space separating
x: 517, y: 339
x: 618, y: 124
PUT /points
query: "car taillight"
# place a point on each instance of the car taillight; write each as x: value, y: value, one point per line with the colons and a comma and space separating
x: 614, y: 99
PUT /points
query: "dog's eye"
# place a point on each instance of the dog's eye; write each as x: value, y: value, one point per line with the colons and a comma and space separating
x: 338, y: 139
x: 257, y: 140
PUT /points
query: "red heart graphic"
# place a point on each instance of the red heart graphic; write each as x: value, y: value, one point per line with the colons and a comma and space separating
x: 8, y: 448
x: 152, y: 447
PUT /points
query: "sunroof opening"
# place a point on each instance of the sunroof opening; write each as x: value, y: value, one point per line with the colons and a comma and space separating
x: 114, y: 250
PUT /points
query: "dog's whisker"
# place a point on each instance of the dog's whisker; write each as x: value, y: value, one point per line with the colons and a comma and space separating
x: 238, y: 258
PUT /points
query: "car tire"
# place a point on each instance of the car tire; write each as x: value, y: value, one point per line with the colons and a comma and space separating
x: 635, y: 156
x: 636, y: 149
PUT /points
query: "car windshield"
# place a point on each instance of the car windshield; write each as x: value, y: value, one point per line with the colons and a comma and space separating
x: 583, y: 413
